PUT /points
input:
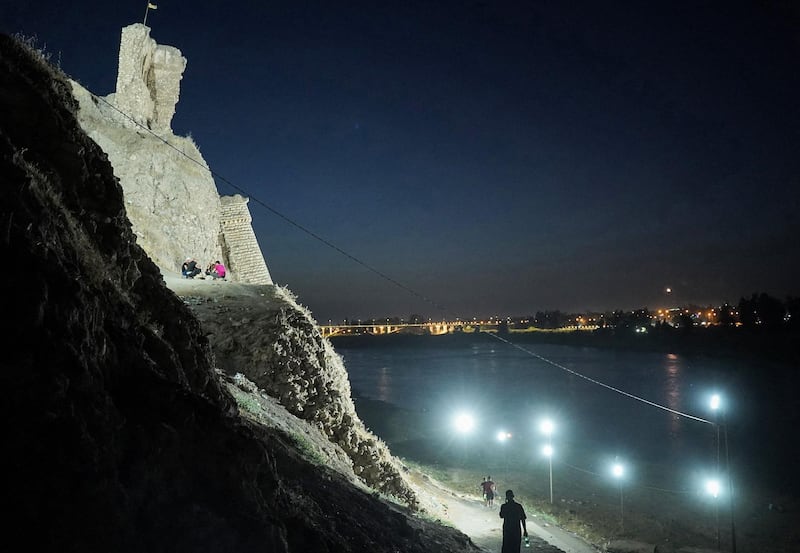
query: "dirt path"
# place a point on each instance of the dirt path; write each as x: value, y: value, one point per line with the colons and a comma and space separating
x: 484, y: 525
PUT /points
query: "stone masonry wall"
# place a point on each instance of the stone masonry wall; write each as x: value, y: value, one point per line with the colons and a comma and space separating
x: 148, y: 82
x: 239, y: 243
x: 170, y: 194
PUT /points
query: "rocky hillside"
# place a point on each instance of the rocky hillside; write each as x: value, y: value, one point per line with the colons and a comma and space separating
x: 263, y: 334
x: 118, y: 433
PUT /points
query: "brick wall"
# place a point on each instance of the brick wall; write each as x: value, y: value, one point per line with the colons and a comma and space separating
x: 239, y: 244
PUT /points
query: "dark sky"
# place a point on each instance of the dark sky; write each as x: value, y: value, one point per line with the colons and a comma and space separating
x: 496, y: 157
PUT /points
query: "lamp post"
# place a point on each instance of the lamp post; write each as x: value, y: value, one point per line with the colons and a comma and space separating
x: 716, y: 406
x: 618, y: 470
x: 464, y: 424
x: 713, y: 489
x: 547, y: 451
x: 547, y: 427
x: 503, y: 437
x: 713, y: 486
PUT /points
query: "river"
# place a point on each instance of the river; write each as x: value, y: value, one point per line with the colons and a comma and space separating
x: 505, y: 388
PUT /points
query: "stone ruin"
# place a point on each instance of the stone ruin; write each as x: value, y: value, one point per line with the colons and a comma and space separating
x: 170, y: 194
x: 239, y: 244
x: 148, y: 78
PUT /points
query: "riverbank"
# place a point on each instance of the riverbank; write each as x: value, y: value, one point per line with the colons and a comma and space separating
x: 779, y: 349
x: 589, y: 503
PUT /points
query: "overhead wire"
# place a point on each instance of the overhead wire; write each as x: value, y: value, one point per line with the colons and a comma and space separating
x: 384, y: 275
x: 641, y: 486
x: 275, y: 211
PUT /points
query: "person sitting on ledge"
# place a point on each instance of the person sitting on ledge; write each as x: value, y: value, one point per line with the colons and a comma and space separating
x: 218, y: 271
x: 189, y: 269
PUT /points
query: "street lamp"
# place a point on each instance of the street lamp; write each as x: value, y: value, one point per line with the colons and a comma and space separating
x: 715, y: 403
x: 464, y: 423
x: 547, y: 451
x: 618, y: 470
x: 713, y: 489
x: 547, y: 427
x: 503, y: 437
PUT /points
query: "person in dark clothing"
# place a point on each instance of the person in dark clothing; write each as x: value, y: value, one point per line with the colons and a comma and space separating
x: 189, y: 269
x: 488, y: 491
x: 512, y: 514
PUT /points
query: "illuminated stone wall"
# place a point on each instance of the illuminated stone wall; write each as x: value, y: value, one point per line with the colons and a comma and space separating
x: 148, y: 81
x: 239, y: 244
x: 170, y: 194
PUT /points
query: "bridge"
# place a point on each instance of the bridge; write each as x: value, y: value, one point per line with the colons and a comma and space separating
x: 432, y: 328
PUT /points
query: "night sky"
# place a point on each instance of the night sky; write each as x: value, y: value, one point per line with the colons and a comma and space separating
x: 496, y: 157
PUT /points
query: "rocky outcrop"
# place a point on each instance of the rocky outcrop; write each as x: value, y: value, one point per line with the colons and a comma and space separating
x: 117, y: 433
x: 262, y: 333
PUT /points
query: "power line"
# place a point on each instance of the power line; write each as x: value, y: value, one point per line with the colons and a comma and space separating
x: 384, y: 275
x: 597, y: 474
x: 278, y: 213
x: 599, y: 383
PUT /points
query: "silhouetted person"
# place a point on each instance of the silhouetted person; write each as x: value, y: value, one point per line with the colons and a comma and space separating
x: 513, y: 515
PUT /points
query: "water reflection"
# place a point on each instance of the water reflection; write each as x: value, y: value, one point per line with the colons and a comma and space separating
x: 384, y: 385
x: 672, y: 391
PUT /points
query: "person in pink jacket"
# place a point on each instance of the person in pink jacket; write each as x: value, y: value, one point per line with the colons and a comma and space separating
x: 219, y: 270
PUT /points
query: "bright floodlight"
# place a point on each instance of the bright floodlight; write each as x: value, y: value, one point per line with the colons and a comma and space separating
x: 617, y: 470
x: 503, y: 435
x: 464, y: 423
x: 547, y: 450
x: 712, y: 487
x: 715, y: 402
x: 547, y: 427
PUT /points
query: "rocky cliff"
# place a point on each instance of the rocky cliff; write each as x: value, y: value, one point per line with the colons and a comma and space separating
x: 119, y: 433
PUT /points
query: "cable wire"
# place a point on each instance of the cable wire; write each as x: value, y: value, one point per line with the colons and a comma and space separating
x: 384, y: 275
x: 592, y: 473
x: 278, y: 213
x: 594, y: 381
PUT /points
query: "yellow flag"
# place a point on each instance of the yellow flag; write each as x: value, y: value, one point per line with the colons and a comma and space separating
x: 152, y: 6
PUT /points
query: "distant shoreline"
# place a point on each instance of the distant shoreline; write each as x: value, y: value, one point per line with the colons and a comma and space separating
x: 780, y: 349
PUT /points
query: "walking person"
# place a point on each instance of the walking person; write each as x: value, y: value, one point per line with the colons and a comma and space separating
x: 513, y: 515
x: 488, y: 491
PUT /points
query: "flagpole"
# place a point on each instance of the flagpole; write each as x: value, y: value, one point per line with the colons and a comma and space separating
x: 146, y: 10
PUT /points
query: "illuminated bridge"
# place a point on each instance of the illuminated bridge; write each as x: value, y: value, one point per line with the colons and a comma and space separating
x: 432, y: 328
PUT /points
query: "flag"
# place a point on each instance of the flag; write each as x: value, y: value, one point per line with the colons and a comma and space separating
x: 151, y: 6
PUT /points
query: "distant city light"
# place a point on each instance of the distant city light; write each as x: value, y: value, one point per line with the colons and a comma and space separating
x: 546, y: 427
x: 503, y: 435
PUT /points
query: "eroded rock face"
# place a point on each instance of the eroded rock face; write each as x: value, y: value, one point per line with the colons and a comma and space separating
x: 117, y: 434
x: 276, y: 344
